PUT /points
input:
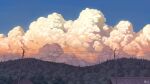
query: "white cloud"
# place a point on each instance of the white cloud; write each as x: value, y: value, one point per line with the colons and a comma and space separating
x: 84, y: 41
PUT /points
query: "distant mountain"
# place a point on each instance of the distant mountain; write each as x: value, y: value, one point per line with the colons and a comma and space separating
x: 42, y: 72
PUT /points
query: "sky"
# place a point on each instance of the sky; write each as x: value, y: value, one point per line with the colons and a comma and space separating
x: 23, y: 12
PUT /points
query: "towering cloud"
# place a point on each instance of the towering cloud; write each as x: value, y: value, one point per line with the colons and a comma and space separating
x: 140, y: 45
x: 85, y: 41
x: 121, y: 35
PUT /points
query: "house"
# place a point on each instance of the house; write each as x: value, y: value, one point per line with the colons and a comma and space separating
x: 24, y: 81
x: 130, y: 80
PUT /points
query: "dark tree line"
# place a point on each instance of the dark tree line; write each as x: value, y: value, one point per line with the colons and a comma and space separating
x: 41, y: 72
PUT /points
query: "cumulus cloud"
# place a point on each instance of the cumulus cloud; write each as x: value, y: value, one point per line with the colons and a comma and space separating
x: 140, y: 44
x: 121, y: 35
x: 85, y: 41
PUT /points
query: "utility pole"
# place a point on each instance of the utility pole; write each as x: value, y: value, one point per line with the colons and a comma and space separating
x: 23, y: 53
x: 22, y: 45
x: 114, y: 53
x: 22, y: 48
x: 115, y: 63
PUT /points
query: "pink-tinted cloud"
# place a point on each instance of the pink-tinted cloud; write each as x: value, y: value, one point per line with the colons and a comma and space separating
x: 85, y: 41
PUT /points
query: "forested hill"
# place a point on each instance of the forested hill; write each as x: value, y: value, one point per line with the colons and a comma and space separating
x: 42, y: 72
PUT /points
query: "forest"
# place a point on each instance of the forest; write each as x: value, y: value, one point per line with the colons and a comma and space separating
x: 43, y: 72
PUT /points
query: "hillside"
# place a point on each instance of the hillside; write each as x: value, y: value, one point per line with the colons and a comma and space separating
x: 42, y: 72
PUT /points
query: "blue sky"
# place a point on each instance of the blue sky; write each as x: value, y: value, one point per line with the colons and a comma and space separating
x: 23, y: 12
